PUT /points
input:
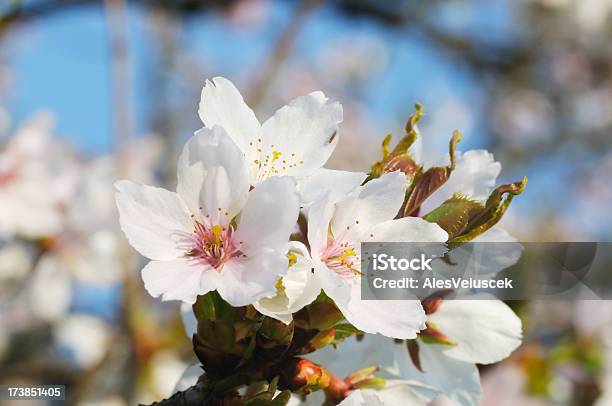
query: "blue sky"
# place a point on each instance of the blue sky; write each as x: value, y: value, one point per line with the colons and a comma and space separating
x: 62, y: 63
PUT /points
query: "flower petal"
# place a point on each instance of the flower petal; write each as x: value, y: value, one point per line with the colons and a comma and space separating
x: 246, y: 280
x: 391, y: 318
x: 190, y: 323
x: 407, y: 229
x: 222, y: 104
x: 375, y: 350
x: 319, y: 217
x: 483, y: 257
x: 212, y: 174
x: 300, y: 137
x: 179, y: 279
x: 269, y: 215
x: 155, y: 221
x: 337, y: 183
x: 474, y: 176
x: 365, y: 398
x: 485, y: 331
x: 377, y: 201
x: 458, y: 380
x: 300, y: 288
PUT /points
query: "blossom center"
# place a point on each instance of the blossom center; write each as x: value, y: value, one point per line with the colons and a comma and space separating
x: 275, y: 163
x: 342, y: 258
x: 215, y: 244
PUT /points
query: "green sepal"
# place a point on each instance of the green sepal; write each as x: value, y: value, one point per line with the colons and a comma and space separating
x: 323, y: 315
x: 274, y: 333
x: 414, y: 352
x: 212, y: 307
x: 376, y: 383
x: 362, y: 374
x: 344, y: 331
x: 432, y: 335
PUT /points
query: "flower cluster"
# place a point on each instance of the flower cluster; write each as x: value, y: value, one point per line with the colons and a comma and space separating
x: 265, y: 244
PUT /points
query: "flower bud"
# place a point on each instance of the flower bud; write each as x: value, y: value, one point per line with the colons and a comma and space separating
x: 465, y: 219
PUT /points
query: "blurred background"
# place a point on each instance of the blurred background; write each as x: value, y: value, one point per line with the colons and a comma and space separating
x: 95, y: 90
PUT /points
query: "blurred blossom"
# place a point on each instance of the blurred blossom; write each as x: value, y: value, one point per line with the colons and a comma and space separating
x: 589, y: 16
x: 594, y: 198
x: 351, y: 60
x: 505, y: 385
x: 592, y: 316
x: 524, y: 116
x: 246, y: 14
x: 15, y: 263
x: 592, y: 15
x: 49, y: 290
x: 166, y: 372
x: 82, y: 340
x: 36, y: 176
x: 592, y: 109
x: 571, y: 68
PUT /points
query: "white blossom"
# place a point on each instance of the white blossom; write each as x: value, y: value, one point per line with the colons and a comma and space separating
x: 195, y: 238
x: 296, y: 141
x: 335, y: 233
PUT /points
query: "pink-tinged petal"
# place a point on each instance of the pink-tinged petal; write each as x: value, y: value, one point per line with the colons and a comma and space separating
x: 377, y: 201
x: 319, y: 217
x: 245, y: 280
x: 179, y: 279
x: 300, y: 137
x: 269, y: 215
x: 155, y: 221
x: 213, y: 176
x: 222, y: 104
